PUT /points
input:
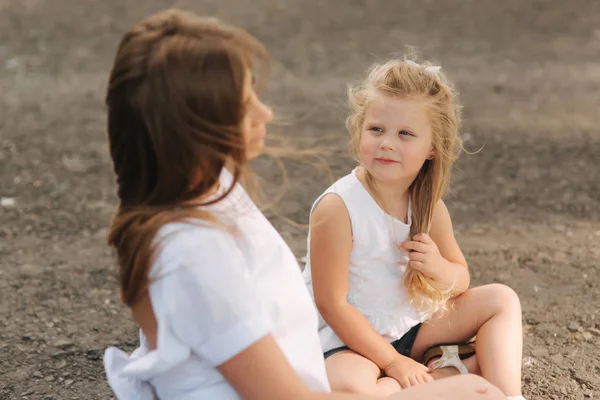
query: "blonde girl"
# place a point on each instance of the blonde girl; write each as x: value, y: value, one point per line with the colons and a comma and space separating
x: 386, y: 272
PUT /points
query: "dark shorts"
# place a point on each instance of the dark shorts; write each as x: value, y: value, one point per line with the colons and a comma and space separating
x: 403, y: 345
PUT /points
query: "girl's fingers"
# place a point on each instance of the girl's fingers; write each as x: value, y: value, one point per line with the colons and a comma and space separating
x: 422, y: 237
x: 411, y: 245
x: 418, y: 265
x: 416, y: 256
x: 413, y: 380
x: 404, y: 382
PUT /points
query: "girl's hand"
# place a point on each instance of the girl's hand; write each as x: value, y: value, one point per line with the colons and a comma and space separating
x: 407, y: 372
x: 424, y: 255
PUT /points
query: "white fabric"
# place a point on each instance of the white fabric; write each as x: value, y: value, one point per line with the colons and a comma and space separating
x: 450, y: 358
x: 377, y: 266
x: 429, y: 69
x: 214, y: 293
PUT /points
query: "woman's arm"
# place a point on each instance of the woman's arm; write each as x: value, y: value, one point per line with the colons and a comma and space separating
x: 330, y: 247
x: 261, y: 372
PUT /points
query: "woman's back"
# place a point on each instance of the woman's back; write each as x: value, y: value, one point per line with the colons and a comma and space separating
x: 215, y: 291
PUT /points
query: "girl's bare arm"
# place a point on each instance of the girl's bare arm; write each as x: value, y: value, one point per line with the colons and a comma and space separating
x: 456, y: 273
x: 330, y: 247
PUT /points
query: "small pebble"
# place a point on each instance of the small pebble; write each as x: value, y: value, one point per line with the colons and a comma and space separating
x: 13, y: 63
x: 557, y: 358
x: 8, y: 202
x: 594, y: 331
x: 539, y: 352
x: 62, y: 344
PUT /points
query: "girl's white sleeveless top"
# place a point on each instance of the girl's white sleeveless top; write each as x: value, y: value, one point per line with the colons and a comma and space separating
x: 377, y: 265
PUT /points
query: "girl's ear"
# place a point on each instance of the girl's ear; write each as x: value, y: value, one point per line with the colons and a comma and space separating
x: 431, y: 155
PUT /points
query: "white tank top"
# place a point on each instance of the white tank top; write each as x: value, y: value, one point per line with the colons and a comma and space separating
x: 377, y: 266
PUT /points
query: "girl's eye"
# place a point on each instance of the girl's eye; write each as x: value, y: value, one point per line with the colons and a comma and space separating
x: 404, y: 133
x: 376, y: 129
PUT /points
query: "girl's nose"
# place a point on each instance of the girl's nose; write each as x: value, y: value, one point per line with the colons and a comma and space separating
x: 386, y: 144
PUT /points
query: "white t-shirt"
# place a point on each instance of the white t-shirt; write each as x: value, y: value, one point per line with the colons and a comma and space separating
x: 214, y: 293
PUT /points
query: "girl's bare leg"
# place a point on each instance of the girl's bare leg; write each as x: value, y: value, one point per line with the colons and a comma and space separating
x: 493, y: 312
x: 352, y: 373
x: 464, y: 387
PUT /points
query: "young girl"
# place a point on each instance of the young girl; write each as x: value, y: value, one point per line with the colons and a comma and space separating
x: 382, y: 254
x: 218, y: 295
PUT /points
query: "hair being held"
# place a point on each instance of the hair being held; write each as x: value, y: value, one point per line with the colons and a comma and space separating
x: 404, y: 78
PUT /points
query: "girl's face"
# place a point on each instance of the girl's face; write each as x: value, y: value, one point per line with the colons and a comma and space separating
x: 396, y: 138
x: 254, y: 124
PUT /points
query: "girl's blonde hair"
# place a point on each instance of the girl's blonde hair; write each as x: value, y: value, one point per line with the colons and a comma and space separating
x: 406, y: 79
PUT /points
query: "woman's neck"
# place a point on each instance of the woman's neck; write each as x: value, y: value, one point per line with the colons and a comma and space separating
x: 210, y: 192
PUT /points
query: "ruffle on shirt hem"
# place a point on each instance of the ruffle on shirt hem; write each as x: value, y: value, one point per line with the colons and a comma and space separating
x: 129, y: 375
x: 390, y: 326
x: 125, y: 387
x: 390, y: 330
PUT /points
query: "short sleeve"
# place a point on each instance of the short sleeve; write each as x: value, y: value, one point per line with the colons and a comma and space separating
x: 206, y: 296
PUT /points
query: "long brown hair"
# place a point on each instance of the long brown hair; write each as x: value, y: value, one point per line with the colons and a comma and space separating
x: 175, y: 106
x: 406, y: 78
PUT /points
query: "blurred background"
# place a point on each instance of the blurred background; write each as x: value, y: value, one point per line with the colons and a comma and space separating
x: 526, y: 207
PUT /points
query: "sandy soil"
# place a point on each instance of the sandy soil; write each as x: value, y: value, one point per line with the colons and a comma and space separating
x: 526, y: 207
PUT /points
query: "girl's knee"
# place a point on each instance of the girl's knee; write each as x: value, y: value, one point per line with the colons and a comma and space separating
x: 490, y: 300
x: 503, y: 298
x: 351, y: 373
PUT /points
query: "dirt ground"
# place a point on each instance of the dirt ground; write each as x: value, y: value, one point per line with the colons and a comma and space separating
x: 526, y: 207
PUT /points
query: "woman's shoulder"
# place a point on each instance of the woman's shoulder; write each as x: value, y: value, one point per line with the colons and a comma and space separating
x: 192, y: 232
x: 185, y: 242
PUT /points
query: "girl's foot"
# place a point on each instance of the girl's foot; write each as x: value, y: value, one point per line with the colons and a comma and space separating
x: 470, y: 364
